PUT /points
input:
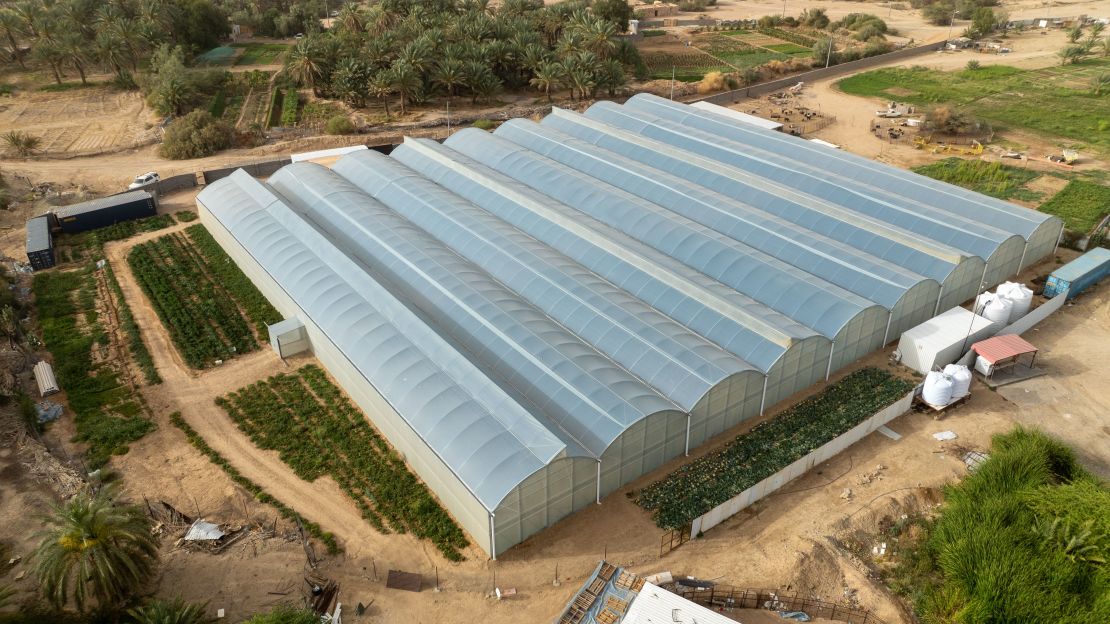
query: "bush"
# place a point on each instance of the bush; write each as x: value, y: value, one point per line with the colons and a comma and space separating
x: 195, y: 135
x: 185, y: 216
x: 339, y: 124
x: 289, y: 109
x: 21, y: 143
x: 484, y: 124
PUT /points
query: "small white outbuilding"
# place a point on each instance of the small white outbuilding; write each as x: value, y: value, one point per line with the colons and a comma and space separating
x: 44, y: 377
x: 943, y: 339
x: 289, y: 337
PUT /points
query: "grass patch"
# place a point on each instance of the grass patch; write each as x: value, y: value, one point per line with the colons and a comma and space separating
x: 653, y: 33
x: 789, y: 48
x: 66, y: 303
x: 317, y: 432
x: 1080, y: 204
x: 256, y: 490
x: 69, y: 86
x: 735, y: 31
x: 701, y: 485
x: 994, y: 179
x: 1025, y: 538
x: 260, y: 53
x: 1054, y: 101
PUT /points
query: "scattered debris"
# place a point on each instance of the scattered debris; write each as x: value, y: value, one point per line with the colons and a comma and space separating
x: 868, y: 477
x: 943, y: 436
x: 203, y: 531
x: 324, y: 593
x: 48, y: 411
x: 399, y: 579
x: 846, y: 494
x: 972, y: 459
x: 797, y: 616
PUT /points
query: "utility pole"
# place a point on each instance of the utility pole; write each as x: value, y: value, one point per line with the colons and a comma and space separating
x: 951, y: 22
x: 672, y: 82
x: 828, y: 58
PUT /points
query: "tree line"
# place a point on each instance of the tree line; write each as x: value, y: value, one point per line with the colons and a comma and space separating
x: 418, y: 50
x: 118, y: 35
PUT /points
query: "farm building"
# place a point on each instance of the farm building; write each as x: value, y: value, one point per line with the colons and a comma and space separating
x: 40, y: 244
x: 538, y: 316
x: 105, y: 211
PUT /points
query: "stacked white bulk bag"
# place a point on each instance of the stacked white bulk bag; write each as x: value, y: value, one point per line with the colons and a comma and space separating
x: 961, y: 380
x: 983, y: 366
x: 1019, y: 295
x: 997, y: 310
x: 981, y: 302
x: 937, y: 390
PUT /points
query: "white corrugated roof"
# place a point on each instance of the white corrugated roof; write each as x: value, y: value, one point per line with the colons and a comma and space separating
x: 655, y: 605
x: 751, y: 120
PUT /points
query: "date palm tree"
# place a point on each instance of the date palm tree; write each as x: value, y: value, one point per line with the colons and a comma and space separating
x: 12, y: 25
x: 175, y: 611
x: 305, y: 64
x: 381, y: 87
x: 405, y: 81
x: 547, y: 76
x: 449, y: 74
x: 351, y: 19
x: 93, y: 547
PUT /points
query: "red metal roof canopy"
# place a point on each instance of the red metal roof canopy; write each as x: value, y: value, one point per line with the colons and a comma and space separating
x: 1000, y: 348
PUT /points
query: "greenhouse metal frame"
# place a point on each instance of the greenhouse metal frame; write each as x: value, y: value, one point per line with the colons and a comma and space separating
x: 536, y: 317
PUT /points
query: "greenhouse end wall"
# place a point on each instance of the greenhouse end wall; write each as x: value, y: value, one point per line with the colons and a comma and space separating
x: 462, y: 505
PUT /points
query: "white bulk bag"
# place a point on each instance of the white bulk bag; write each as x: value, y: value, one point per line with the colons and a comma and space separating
x: 961, y: 380
x: 1020, y: 296
x: 998, y: 310
x: 938, y: 389
x: 981, y: 302
x: 983, y: 366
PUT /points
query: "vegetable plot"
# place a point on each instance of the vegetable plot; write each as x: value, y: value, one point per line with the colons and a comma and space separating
x: 701, y: 485
x: 317, y: 431
x: 194, y: 302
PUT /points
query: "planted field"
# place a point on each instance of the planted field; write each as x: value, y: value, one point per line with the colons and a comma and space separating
x: 1081, y: 205
x: 221, y: 56
x: 789, y: 48
x: 186, y: 283
x: 687, y: 66
x: 994, y: 179
x: 260, y: 53
x: 788, y: 35
x: 1055, y: 101
x: 108, y: 414
x: 317, y: 432
x: 771, y: 446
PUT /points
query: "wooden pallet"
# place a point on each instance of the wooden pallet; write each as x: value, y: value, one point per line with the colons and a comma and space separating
x: 606, y: 572
x: 607, y: 616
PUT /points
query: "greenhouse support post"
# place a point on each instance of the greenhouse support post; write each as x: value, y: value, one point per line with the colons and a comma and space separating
x: 940, y: 295
x: 763, y: 399
x: 828, y: 369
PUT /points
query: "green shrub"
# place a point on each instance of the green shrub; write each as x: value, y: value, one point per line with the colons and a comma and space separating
x: 289, y: 108
x: 1080, y: 204
x: 484, y: 124
x: 186, y: 216
x: 196, y: 135
x: 216, y: 107
x: 701, y: 485
x: 339, y: 124
x: 994, y: 179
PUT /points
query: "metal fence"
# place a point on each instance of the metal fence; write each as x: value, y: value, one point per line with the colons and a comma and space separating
x: 671, y: 540
x: 725, y: 598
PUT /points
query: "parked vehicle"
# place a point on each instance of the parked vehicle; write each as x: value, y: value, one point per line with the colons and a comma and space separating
x: 145, y: 179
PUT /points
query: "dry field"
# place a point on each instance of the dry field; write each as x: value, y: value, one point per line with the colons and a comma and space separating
x: 81, y: 121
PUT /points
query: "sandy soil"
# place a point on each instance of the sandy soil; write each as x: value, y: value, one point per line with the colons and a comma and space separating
x: 81, y: 121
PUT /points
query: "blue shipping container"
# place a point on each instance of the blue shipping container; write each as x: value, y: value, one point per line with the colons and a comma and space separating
x: 98, y: 213
x: 1079, y: 274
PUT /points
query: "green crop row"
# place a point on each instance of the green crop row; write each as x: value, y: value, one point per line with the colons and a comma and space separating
x: 786, y: 35
x: 256, y: 490
x: 131, y: 328
x: 106, y: 417
x: 200, y: 313
x: 317, y: 431
x: 289, y: 108
x: 701, y: 485
x: 989, y: 178
x: 1080, y: 204
x: 232, y: 279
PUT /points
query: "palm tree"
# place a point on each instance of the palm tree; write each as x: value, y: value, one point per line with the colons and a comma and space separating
x: 73, y: 48
x: 381, y: 87
x: 48, y: 51
x: 304, y: 64
x: 12, y: 25
x: 1105, y: 45
x: 94, y: 548
x: 598, y: 36
x: 405, y: 81
x: 486, y: 86
x: 175, y: 611
x: 113, y: 51
x: 351, y: 19
x: 1100, y: 83
x: 449, y: 74
x: 547, y: 76
x: 1074, y: 34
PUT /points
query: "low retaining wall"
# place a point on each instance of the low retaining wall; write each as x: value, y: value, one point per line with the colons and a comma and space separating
x: 258, y: 169
x: 756, y: 90
x: 727, y: 509
x: 1035, y: 316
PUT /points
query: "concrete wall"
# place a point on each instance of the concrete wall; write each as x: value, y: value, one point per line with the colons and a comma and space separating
x: 1035, y: 316
x: 732, y: 97
x: 725, y: 510
x: 258, y: 170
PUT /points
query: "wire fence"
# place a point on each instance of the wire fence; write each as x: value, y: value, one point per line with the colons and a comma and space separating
x: 723, y: 598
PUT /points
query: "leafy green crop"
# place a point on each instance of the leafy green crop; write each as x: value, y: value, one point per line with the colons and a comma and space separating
x: 1080, y: 204
x: 701, y: 485
x: 317, y: 431
x: 994, y: 179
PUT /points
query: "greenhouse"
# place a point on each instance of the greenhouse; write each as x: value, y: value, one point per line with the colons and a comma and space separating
x: 536, y: 317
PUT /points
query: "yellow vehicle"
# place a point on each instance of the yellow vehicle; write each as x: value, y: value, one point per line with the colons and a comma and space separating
x: 975, y: 149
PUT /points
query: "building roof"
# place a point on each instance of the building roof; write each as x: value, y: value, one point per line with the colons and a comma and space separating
x: 735, y: 115
x: 38, y: 234
x: 102, y: 202
x: 1083, y: 264
x: 998, y: 348
x: 655, y: 605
